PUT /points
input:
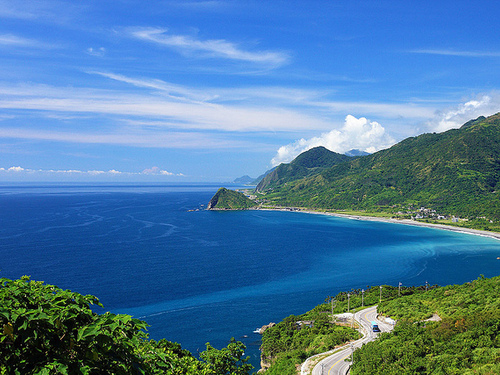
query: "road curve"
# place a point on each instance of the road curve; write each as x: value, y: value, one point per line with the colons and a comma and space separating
x: 336, y: 364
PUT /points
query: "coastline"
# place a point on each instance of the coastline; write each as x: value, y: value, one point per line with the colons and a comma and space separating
x: 475, y: 232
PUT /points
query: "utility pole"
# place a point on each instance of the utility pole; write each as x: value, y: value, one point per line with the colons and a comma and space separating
x: 348, y: 302
x: 362, y: 298
x: 380, y: 294
x: 399, y: 289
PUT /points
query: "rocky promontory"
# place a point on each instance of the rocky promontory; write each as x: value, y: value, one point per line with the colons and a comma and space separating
x: 226, y: 199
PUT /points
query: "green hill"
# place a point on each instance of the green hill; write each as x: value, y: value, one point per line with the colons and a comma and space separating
x: 226, y: 199
x: 462, y: 338
x: 306, y: 164
x: 466, y: 341
x: 456, y: 172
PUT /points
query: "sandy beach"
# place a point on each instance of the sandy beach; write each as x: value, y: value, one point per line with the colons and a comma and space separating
x: 475, y: 232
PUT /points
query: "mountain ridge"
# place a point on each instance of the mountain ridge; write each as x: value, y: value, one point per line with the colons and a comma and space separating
x: 306, y: 164
x: 457, y: 171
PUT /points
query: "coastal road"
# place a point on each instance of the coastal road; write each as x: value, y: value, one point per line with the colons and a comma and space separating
x: 336, y: 364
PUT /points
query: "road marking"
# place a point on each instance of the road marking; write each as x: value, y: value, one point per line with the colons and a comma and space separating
x: 335, y: 364
x: 366, y: 336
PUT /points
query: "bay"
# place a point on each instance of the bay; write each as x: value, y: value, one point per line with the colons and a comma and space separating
x: 200, y: 276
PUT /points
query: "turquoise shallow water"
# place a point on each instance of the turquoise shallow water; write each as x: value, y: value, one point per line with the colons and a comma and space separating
x: 198, y: 276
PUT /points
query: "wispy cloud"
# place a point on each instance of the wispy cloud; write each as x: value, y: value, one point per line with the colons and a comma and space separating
x: 356, y: 133
x: 211, y: 48
x: 98, y: 52
x: 137, y: 138
x: 266, y: 96
x: 16, y: 9
x: 166, y: 115
x: 450, y: 52
x: 59, y: 12
x: 18, y: 41
x: 172, y: 90
x: 14, y: 40
x: 237, y: 117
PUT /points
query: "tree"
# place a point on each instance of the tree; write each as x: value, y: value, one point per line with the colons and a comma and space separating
x: 226, y: 361
x: 47, y: 330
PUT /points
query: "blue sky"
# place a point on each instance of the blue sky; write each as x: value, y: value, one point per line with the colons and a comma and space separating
x: 170, y: 91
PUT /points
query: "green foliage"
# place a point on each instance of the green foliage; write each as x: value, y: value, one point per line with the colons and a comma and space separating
x: 456, y: 173
x: 286, y: 345
x: 449, y: 301
x: 465, y: 341
x: 47, y: 330
x: 226, y: 199
x: 226, y: 361
x: 306, y: 164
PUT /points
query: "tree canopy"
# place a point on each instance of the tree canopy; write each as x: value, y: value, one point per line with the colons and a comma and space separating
x: 47, y: 330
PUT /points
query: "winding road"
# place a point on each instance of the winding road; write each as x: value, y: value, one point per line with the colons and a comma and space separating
x: 336, y: 364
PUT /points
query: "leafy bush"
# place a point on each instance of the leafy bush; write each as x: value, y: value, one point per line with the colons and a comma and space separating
x: 47, y: 330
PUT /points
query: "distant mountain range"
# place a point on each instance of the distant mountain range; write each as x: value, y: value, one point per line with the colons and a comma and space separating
x: 456, y: 172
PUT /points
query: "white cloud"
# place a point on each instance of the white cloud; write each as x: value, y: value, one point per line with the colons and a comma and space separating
x: 15, y: 169
x: 360, y: 134
x: 11, y: 40
x: 180, y: 114
x: 14, y: 40
x: 218, y: 48
x: 237, y: 109
x: 173, y: 91
x: 452, y: 118
x: 130, y: 137
x: 450, y: 52
x: 155, y: 171
x: 112, y: 172
x: 98, y: 52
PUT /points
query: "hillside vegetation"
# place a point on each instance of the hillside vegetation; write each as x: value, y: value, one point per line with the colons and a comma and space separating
x: 226, y: 199
x: 456, y: 172
x: 466, y: 341
x: 47, y: 330
x: 289, y: 343
x: 306, y: 164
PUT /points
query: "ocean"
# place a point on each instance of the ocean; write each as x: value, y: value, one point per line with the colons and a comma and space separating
x: 200, y: 276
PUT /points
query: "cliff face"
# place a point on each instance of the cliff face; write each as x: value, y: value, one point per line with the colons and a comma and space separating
x: 226, y: 199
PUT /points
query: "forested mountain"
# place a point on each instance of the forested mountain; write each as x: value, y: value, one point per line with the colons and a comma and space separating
x: 306, y: 164
x: 456, y: 172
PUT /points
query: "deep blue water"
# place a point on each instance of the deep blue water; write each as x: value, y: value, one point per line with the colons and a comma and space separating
x: 203, y: 276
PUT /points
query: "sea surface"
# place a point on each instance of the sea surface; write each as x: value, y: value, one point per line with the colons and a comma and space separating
x: 200, y: 276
